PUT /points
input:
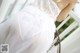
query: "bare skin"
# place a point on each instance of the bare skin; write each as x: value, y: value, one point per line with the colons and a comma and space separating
x: 65, y: 6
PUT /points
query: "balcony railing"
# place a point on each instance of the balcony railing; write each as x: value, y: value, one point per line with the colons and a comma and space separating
x: 71, y: 44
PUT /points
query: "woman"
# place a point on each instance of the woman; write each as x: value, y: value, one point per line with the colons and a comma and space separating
x: 32, y: 29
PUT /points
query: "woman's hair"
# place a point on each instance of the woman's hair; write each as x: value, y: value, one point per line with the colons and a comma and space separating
x: 58, y: 41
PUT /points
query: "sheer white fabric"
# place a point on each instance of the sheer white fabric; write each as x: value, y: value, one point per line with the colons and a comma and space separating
x: 48, y: 6
x: 31, y: 30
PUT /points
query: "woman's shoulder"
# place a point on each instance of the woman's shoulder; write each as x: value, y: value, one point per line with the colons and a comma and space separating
x: 62, y: 4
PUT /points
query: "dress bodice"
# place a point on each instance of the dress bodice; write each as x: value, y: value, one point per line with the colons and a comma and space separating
x: 47, y: 6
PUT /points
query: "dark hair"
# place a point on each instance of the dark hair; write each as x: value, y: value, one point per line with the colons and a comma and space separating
x: 56, y: 35
x: 58, y: 41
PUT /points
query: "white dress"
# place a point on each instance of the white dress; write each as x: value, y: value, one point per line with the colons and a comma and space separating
x: 29, y: 31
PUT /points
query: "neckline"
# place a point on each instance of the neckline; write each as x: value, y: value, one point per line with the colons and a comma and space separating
x: 55, y: 5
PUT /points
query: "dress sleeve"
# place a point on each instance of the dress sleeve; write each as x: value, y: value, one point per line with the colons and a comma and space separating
x: 28, y: 26
x: 24, y: 25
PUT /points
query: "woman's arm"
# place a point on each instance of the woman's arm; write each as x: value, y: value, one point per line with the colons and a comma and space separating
x: 66, y: 11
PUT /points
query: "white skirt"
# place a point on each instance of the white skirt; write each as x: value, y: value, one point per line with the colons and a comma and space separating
x: 28, y: 31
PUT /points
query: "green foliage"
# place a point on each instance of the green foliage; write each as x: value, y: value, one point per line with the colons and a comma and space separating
x: 70, y: 21
x: 65, y: 25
